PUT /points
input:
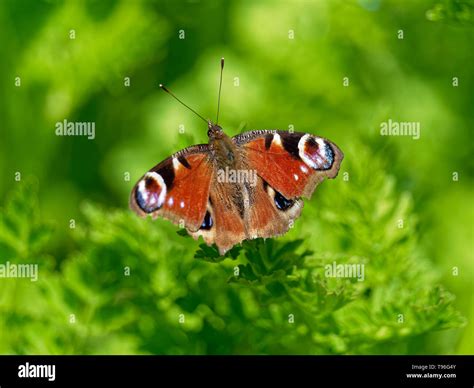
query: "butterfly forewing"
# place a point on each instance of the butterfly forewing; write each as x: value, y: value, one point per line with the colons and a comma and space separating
x: 291, y: 163
x: 177, y: 188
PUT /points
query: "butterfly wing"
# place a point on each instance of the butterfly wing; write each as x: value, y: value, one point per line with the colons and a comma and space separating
x: 270, y: 214
x: 177, y: 188
x: 293, y: 164
x: 289, y: 166
x: 225, y: 225
x: 184, y: 189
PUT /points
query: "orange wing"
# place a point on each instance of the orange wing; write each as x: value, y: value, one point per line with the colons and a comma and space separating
x: 177, y: 188
x: 291, y: 163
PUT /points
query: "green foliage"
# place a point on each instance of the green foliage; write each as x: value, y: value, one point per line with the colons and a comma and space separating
x: 456, y: 11
x: 23, y: 233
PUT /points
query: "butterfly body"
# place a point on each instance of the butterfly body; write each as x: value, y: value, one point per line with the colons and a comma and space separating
x: 224, y: 152
x: 238, y: 188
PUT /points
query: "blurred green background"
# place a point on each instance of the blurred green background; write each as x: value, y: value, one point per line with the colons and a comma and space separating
x: 110, y: 282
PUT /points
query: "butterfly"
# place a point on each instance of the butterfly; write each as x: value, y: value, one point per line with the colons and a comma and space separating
x: 236, y: 188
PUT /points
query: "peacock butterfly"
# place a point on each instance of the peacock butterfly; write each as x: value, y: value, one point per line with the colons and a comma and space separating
x: 237, y: 188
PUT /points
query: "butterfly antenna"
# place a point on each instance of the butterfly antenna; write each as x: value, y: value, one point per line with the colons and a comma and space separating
x: 220, y: 87
x: 181, y: 102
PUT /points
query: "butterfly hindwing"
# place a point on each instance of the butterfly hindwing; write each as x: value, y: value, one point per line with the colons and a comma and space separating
x: 270, y: 214
x: 226, y: 225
